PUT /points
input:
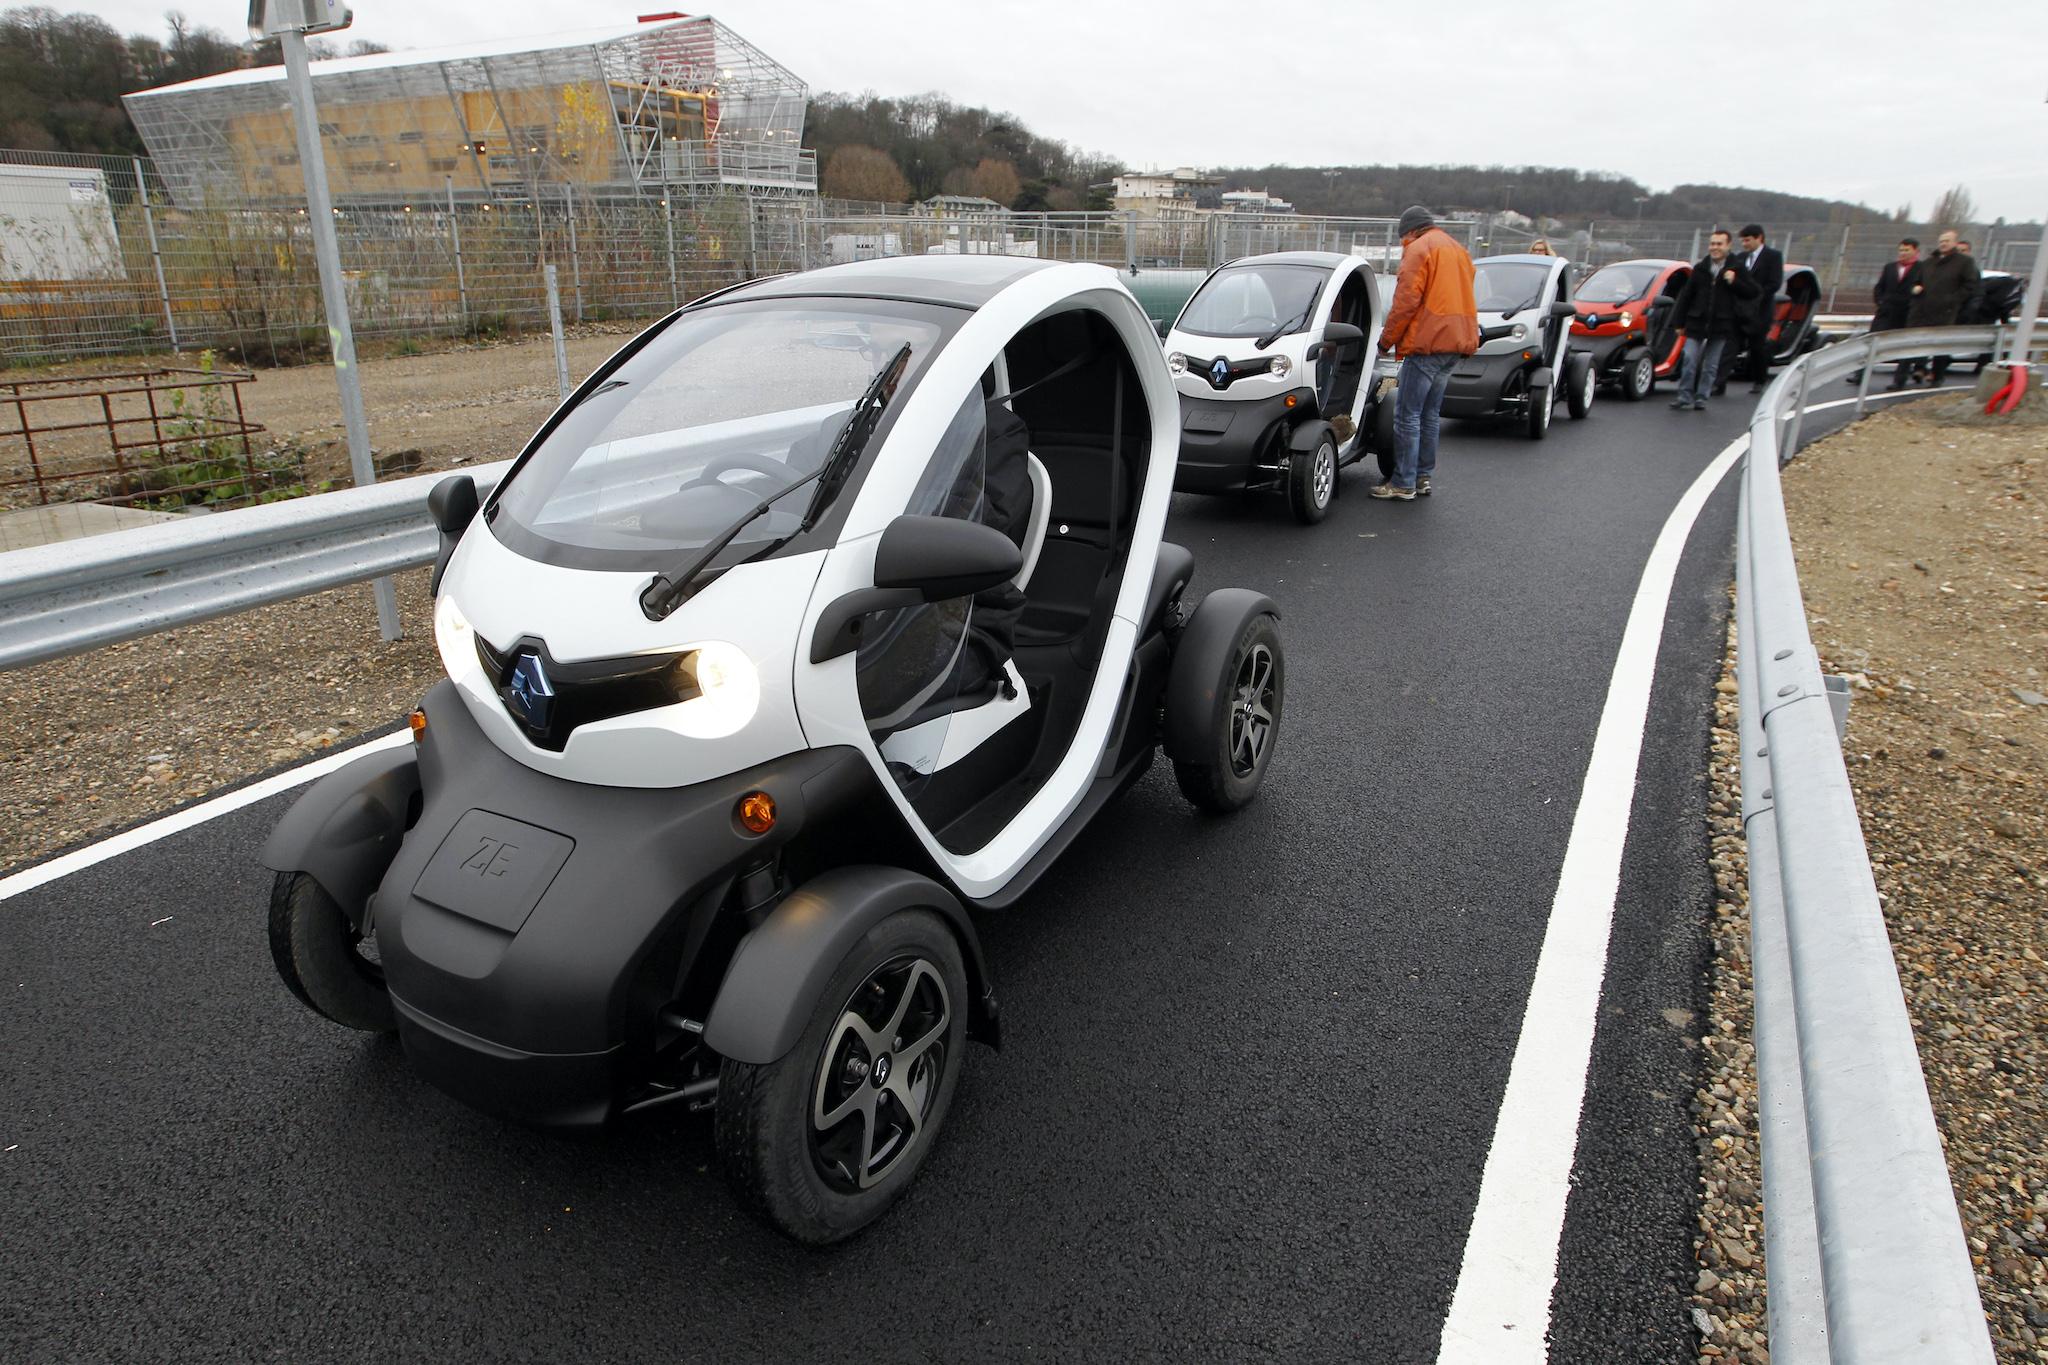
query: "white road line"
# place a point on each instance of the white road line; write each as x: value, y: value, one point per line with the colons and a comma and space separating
x: 78, y: 859
x: 1500, y: 1311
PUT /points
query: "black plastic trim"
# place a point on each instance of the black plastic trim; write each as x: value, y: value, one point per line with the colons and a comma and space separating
x: 841, y: 622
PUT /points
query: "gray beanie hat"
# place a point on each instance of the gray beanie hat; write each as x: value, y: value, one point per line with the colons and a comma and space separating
x: 1415, y: 218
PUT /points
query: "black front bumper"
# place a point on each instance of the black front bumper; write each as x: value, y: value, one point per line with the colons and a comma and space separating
x: 1610, y: 354
x: 533, y: 929
x: 1222, y: 442
x: 1480, y: 385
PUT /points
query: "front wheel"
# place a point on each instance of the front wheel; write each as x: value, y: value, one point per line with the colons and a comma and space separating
x: 1312, y: 479
x: 821, y: 1143
x: 1541, y: 401
x: 324, y: 959
x: 1243, y: 722
x: 1639, y: 378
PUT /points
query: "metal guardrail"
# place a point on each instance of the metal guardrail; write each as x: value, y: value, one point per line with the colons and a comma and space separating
x: 80, y: 594
x: 1865, y: 1250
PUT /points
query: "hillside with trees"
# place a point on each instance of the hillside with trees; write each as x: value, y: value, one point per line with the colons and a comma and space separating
x: 898, y: 150
x: 1539, y: 191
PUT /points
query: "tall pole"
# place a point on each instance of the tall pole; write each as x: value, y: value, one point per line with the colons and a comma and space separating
x: 2030, y: 311
x: 327, y: 252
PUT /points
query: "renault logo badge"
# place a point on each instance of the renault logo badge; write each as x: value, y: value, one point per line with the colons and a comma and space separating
x: 528, y: 693
x: 1219, y: 373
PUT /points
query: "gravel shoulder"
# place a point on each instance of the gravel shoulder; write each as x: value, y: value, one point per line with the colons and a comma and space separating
x: 1923, y: 556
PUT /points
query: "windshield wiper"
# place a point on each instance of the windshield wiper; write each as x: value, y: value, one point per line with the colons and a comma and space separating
x: 1529, y: 302
x: 1269, y: 338
x: 670, y: 590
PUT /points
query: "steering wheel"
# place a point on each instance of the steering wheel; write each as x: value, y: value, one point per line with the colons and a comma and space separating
x: 753, y: 464
x: 1263, y: 324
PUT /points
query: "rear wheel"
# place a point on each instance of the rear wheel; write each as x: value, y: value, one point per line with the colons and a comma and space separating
x: 1312, y: 479
x: 822, y: 1142
x: 1243, y: 724
x: 1579, y: 381
x: 324, y: 958
x: 1638, y: 378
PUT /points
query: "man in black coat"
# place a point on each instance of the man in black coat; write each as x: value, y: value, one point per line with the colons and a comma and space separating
x: 1949, y: 283
x: 1892, y: 295
x: 1713, y: 309
x: 1765, y: 265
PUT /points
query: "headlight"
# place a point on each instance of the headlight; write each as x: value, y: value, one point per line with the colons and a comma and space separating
x: 1279, y: 367
x: 453, y: 636
x: 728, y: 692
x: 1521, y: 330
x: 1628, y: 319
x: 1177, y: 363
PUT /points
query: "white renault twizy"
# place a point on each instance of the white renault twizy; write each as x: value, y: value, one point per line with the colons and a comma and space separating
x: 829, y: 609
x: 1270, y: 356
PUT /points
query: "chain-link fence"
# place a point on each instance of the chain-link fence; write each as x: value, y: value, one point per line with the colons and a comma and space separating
x: 96, y: 260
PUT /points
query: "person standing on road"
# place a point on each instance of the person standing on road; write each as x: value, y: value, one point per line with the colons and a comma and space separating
x: 1892, y: 295
x: 1765, y: 265
x: 1713, y: 309
x: 1541, y: 247
x: 1433, y: 322
x: 1949, y: 283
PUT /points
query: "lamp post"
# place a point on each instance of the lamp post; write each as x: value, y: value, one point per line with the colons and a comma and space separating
x: 289, y: 21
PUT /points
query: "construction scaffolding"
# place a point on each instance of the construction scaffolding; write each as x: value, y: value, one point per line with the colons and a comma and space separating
x: 680, y: 104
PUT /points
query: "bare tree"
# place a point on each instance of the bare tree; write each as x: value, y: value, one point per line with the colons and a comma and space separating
x: 997, y: 180
x: 1955, y: 207
x: 864, y: 173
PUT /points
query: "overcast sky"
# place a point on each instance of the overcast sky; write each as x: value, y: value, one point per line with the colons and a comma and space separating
x: 1869, y: 100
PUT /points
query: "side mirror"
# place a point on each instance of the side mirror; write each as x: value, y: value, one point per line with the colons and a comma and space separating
x: 1164, y: 325
x: 1337, y: 333
x: 944, y: 557
x: 1561, y: 309
x: 453, y: 504
x: 1662, y: 302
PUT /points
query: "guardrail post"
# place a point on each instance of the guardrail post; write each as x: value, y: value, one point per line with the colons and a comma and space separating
x: 1798, y: 411
x: 156, y: 257
x: 1870, y: 353
x: 455, y: 242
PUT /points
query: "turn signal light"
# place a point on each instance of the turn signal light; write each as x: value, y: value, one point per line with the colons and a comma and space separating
x: 418, y: 721
x: 757, y: 812
x: 1290, y: 400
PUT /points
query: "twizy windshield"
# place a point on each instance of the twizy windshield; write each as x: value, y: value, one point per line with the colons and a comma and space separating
x: 1617, y: 284
x: 1252, y: 300
x: 726, y: 407
x: 1498, y: 286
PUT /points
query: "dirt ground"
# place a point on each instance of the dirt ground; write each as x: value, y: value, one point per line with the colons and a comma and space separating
x: 1922, y: 537
x: 451, y: 403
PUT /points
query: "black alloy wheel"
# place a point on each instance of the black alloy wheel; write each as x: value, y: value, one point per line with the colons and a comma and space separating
x: 1244, y: 725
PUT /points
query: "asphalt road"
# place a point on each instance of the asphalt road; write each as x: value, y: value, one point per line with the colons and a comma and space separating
x: 1252, y: 1065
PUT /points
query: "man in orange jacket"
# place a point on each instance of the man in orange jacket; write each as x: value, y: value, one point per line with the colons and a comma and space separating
x: 1432, y: 323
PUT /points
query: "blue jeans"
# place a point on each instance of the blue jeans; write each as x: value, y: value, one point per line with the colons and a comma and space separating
x: 1696, y: 375
x: 1418, y: 403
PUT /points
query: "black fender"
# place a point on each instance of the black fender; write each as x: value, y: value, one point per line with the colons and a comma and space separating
x: 1200, y: 656
x: 344, y: 832
x: 1305, y: 435
x: 1171, y: 575
x: 781, y: 968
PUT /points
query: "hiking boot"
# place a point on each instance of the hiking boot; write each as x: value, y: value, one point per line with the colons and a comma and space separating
x: 1388, y: 490
x: 1681, y: 403
x: 1341, y: 425
x: 1423, y: 486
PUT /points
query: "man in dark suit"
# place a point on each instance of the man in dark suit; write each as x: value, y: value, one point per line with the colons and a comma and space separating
x: 1893, y: 295
x: 1765, y: 266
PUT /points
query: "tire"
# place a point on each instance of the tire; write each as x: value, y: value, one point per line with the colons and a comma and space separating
x: 1579, y: 381
x: 321, y: 957
x: 1383, y: 435
x: 816, y: 1183
x: 1312, y: 479
x: 1224, y: 781
x: 1639, y: 378
x: 1541, y: 400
